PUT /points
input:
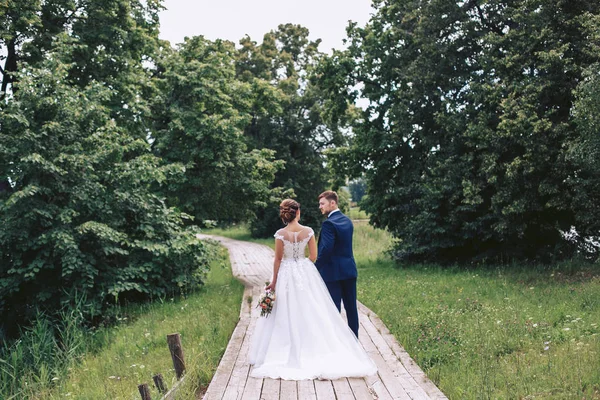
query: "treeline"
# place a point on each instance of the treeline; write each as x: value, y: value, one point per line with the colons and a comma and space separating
x: 114, y: 145
x: 480, y: 140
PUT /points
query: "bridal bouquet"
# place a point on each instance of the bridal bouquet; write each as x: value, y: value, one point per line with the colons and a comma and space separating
x: 265, y: 302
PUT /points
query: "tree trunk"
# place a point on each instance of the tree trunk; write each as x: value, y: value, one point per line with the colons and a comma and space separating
x: 10, y: 67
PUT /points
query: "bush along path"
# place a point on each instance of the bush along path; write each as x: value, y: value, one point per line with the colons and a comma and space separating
x: 398, y: 377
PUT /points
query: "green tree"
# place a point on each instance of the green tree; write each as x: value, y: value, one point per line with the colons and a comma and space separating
x: 357, y: 189
x: 464, y: 141
x: 199, y: 114
x: 585, y: 152
x: 289, y: 116
x: 115, y: 44
x: 82, y: 216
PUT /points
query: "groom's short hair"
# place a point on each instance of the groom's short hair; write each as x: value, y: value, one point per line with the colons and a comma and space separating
x: 329, y: 195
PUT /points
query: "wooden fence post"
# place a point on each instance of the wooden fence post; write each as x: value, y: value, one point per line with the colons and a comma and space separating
x: 145, y: 391
x: 174, y: 341
x: 159, y: 383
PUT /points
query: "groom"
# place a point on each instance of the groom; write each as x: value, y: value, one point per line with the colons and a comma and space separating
x: 335, y: 260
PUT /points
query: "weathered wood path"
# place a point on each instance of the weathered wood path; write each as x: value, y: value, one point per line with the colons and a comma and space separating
x: 399, y: 377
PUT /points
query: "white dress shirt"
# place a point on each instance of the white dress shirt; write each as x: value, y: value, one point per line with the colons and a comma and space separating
x: 329, y: 215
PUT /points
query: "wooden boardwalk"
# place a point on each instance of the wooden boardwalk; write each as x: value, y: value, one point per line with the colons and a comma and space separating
x: 398, y: 377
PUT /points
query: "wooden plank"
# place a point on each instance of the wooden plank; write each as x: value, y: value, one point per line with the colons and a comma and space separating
x: 289, y: 390
x: 252, y: 389
x: 377, y: 387
x: 406, y: 380
x: 306, y: 390
x: 409, y: 364
x: 366, y: 341
x: 374, y: 381
x: 239, y: 376
x: 342, y: 389
x: 324, y: 390
x: 271, y: 389
x: 387, y: 377
x: 360, y: 389
x: 218, y: 384
x: 253, y: 386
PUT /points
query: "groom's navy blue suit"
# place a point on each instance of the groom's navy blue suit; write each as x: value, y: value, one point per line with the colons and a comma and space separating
x: 336, y: 264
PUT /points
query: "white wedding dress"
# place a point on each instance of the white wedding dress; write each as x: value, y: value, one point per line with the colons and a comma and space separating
x: 304, y: 337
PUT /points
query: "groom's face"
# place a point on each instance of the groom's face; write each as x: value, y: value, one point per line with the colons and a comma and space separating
x: 326, y: 206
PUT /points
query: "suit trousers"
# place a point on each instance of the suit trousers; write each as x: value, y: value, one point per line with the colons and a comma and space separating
x: 345, y: 290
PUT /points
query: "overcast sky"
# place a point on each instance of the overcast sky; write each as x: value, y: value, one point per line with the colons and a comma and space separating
x: 232, y: 19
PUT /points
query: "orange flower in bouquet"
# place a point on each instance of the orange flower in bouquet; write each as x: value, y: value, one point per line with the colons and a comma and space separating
x: 265, y: 302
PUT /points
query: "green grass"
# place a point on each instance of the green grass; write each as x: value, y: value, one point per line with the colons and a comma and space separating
x: 357, y: 213
x: 132, y: 352
x: 490, y: 333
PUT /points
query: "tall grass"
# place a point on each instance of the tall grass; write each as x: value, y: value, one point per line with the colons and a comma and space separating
x: 357, y: 213
x: 109, y: 363
x: 44, y: 353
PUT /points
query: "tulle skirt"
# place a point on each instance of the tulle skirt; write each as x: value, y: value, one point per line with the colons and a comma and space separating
x: 305, y: 337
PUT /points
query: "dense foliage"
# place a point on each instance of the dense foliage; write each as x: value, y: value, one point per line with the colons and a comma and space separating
x: 288, y: 116
x: 467, y: 138
x: 81, y: 218
x: 80, y: 204
x: 199, y: 114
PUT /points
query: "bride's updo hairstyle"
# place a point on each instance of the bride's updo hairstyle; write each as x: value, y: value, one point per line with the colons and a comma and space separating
x: 288, y: 209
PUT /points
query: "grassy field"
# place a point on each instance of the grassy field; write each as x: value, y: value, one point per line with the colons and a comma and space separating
x: 119, y: 358
x: 357, y: 213
x: 489, y: 333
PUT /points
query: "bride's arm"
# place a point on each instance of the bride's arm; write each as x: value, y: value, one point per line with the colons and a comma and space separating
x: 312, y: 249
x: 276, y: 263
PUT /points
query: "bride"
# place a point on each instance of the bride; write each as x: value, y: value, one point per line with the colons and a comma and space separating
x: 305, y: 337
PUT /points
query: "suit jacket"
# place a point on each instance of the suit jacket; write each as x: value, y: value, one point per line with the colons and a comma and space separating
x: 335, y: 260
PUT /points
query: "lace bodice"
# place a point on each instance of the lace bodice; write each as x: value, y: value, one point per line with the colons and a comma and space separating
x: 294, y: 243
